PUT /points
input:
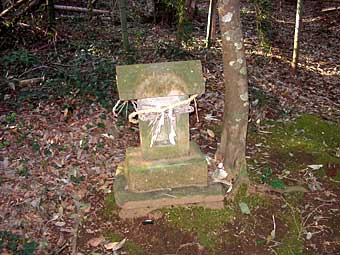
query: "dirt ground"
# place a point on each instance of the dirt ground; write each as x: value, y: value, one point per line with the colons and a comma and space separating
x: 59, y: 154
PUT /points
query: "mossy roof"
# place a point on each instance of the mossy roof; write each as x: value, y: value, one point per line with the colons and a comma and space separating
x: 160, y: 79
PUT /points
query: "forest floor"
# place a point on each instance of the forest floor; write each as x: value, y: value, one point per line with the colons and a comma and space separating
x: 60, y: 144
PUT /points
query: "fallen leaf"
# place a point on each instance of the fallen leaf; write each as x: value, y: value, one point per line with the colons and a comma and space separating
x: 94, y: 242
x: 60, y: 223
x: 211, y: 133
x: 4, y: 164
x: 244, y: 208
x: 309, y: 235
x: 219, y: 174
x: 114, y: 246
x: 110, y: 246
x: 315, y: 167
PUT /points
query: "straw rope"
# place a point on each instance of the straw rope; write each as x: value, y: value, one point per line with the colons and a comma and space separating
x: 160, y: 110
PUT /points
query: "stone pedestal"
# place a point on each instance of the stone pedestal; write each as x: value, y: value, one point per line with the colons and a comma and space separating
x: 138, y: 204
x: 142, y: 186
x: 151, y: 175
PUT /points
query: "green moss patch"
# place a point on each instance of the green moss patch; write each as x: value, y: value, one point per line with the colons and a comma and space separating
x: 205, y: 223
x: 308, y: 132
x: 253, y: 201
x: 308, y: 140
x: 319, y: 131
x: 129, y: 246
x: 335, y: 181
x: 109, y: 212
x: 217, y: 129
x: 293, y: 242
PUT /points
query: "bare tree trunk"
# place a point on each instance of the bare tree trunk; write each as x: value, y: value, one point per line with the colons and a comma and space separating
x: 190, y: 9
x: 123, y: 21
x: 236, y: 106
x: 90, y: 8
x: 213, y: 21
x: 150, y: 5
x: 51, y: 14
x: 211, y: 26
x: 113, y: 7
x: 298, y: 24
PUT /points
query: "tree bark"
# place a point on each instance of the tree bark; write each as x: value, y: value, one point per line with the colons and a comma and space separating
x: 298, y: 24
x: 51, y: 14
x: 190, y: 9
x: 150, y: 4
x: 236, y: 106
x: 90, y: 8
x: 123, y: 21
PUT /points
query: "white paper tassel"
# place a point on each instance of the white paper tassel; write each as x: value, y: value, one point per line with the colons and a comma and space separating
x: 172, y: 133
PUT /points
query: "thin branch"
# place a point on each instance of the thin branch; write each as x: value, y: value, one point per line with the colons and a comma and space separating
x: 15, y: 5
x: 79, y: 9
x: 331, y: 9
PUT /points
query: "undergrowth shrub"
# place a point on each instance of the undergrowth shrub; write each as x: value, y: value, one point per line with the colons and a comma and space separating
x: 264, y: 29
x: 86, y: 76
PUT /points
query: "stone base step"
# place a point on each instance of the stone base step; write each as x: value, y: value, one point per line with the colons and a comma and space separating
x: 140, y: 204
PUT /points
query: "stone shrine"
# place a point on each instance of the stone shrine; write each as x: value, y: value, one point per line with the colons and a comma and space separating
x: 167, y: 169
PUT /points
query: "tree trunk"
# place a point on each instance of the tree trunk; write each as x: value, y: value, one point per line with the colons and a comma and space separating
x: 51, y: 14
x: 211, y: 26
x: 236, y: 106
x: 90, y: 8
x: 150, y: 4
x: 298, y: 22
x: 190, y: 9
x: 123, y: 21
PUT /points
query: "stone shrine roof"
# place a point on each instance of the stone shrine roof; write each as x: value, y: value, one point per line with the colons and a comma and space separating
x: 160, y: 79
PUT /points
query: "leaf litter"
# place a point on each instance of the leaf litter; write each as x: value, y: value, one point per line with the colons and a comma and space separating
x: 54, y: 159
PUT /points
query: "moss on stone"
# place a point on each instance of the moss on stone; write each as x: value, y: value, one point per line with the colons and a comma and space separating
x: 205, y: 223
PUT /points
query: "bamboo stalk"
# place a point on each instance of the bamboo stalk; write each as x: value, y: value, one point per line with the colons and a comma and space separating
x: 298, y: 23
